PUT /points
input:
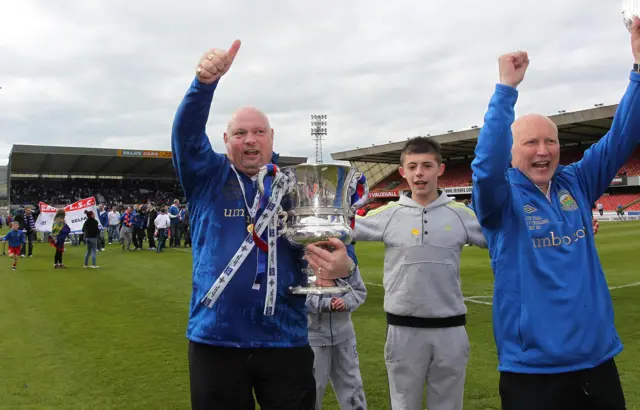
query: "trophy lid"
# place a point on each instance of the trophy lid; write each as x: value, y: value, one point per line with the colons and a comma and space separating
x: 630, y: 9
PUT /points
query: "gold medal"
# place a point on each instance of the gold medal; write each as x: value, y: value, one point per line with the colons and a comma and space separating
x: 250, y: 228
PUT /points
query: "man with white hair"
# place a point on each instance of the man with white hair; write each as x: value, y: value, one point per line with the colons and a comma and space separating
x: 241, y: 342
x: 552, y: 311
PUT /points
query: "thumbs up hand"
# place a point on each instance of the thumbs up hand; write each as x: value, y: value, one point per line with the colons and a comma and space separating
x: 215, y: 63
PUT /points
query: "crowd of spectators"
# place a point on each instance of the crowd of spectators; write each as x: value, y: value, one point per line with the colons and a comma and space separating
x: 112, y: 192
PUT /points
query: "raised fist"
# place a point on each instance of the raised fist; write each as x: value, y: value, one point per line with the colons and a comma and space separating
x: 512, y: 68
x: 215, y: 63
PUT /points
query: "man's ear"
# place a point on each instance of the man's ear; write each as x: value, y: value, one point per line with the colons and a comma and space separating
x: 225, y: 138
x: 401, y: 171
x: 441, y: 170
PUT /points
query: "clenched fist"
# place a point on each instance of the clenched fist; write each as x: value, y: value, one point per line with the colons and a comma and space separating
x: 512, y: 68
x: 215, y: 63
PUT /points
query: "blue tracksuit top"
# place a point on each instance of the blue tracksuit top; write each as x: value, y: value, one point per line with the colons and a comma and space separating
x: 552, y: 311
x: 218, y: 228
x: 103, y: 216
x: 15, y: 238
x: 173, y: 210
x: 139, y: 220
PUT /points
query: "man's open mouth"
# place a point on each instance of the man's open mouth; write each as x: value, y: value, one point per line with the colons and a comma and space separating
x: 541, y: 164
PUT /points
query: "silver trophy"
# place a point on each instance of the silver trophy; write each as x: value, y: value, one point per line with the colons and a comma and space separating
x: 319, y: 206
x: 630, y: 9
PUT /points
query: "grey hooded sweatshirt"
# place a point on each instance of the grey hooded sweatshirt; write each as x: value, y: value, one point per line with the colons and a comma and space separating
x: 422, y: 254
x: 328, y: 328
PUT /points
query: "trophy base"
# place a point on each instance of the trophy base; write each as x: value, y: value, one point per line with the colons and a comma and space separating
x: 319, y: 290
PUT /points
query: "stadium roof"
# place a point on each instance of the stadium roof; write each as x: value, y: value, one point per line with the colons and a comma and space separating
x: 575, y: 128
x: 54, y: 160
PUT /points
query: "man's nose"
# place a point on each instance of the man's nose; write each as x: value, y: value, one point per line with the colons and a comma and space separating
x: 250, y: 138
x: 543, y: 150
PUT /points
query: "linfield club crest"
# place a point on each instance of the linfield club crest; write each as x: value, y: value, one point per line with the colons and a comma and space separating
x: 567, y: 202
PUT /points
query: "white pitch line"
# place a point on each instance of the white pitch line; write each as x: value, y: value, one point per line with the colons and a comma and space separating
x: 625, y: 286
x: 471, y: 299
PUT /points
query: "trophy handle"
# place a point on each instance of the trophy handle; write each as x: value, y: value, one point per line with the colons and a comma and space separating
x: 282, y: 222
x: 265, y: 178
x: 360, y: 191
x: 269, y: 176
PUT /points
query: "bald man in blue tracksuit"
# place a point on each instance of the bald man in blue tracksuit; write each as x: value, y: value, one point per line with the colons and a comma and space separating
x: 552, y: 312
x: 241, y: 349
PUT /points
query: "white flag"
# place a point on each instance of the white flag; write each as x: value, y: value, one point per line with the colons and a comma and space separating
x: 74, y: 217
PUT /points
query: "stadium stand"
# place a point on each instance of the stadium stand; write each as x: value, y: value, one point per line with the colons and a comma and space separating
x: 118, y: 177
x: 577, y: 132
x: 612, y: 201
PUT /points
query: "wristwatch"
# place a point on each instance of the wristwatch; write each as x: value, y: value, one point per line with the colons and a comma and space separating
x: 636, y: 68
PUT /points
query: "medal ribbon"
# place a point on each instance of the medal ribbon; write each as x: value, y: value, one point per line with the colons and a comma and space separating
x: 278, y: 186
x: 253, y: 210
x: 263, y: 243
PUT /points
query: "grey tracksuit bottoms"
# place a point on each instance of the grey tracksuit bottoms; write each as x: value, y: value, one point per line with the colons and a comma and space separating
x: 340, y: 364
x: 436, y: 356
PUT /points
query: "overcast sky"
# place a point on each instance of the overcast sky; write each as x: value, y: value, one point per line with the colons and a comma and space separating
x: 110, y: 74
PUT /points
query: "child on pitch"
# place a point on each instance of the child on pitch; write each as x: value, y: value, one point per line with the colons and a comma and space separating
x: 423, y: 235
x: 59, y: 233
x: 333, y: 340
x: 16, y: 239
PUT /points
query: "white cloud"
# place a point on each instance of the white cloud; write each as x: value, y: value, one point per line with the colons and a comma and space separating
x: 111, y: 73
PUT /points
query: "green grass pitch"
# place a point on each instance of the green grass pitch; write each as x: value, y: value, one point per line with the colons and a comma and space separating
x: 114, y: 338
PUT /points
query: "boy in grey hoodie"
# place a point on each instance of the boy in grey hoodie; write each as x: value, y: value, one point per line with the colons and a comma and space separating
x: 423, y: 235
x: 333, y: 340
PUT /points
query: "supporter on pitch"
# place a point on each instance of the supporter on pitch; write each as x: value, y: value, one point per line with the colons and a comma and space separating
x: 59, y: 234
x: 91, y: 231
x: 174, y: 216
x: 152, y: 214
x: 29, y: 227
x: 553, y: 315
x: 184, y: 226
x: 423, y: 236
x: 15, y: 238
x: 162, y: 224
x: 236, y: 349
x: 103, y: 217
x: 333, y: 340
x: 114, y: 222
x: 139, y: 221
x: 126, y: 229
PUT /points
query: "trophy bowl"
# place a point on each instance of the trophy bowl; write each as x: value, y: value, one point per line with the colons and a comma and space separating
x: 320, y: 206
x: 630, y: 9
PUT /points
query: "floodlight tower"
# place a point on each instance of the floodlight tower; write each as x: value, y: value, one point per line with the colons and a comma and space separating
x: 318, y: 133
